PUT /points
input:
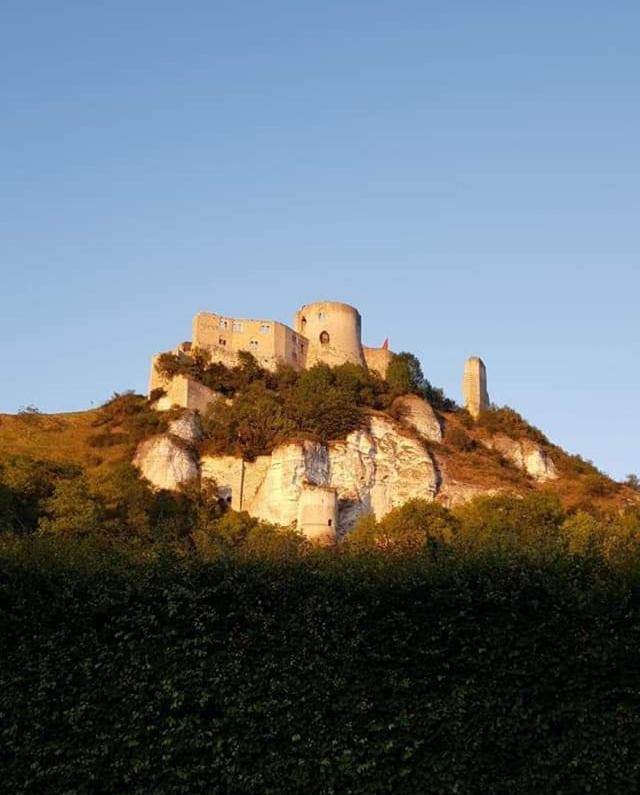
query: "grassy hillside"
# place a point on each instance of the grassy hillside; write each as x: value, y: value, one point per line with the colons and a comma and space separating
x: 64, y: 438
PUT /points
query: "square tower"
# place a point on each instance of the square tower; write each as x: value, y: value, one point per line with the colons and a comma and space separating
x: 474, y: 386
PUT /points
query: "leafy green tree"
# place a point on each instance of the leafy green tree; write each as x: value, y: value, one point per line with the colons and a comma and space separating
x: 71, y: 509
x: 249, y: 426
x: 25, y: 484
x: 416, y: 526
x: 507, y: 523
x: 584, y: 533
x: 404, y: 374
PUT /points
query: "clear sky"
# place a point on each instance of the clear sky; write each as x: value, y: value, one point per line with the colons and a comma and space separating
x: 466, y: 173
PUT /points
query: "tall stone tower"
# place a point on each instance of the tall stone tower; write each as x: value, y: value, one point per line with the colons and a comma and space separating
x: 334, y: 333
x: 474, y: 386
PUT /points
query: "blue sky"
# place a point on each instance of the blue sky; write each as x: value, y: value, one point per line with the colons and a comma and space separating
x: 466, y: 173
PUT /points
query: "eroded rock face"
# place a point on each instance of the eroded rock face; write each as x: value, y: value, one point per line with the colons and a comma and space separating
x: 166, y: 462
x: 418, y: 414
x: 379, y: 469
x: 455, y: 493
x: 373, y: 470
x: 187, y: 427
x: 277, y: 497
x: 529, y: 456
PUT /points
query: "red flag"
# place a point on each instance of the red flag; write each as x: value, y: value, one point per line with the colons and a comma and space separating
x: 385, y: 344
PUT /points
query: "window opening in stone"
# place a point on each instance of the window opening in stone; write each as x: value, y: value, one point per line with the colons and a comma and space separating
x: 330, y: 522
x: 324, y: 338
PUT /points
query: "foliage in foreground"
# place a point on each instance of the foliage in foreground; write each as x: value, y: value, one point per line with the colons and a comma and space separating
x: 328, y: 673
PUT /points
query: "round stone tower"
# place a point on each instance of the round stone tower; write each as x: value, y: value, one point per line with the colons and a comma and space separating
x: 318, y: 513
x: 334, y: 333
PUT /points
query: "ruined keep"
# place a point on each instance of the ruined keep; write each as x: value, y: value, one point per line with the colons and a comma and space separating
x: 474, y: 386
x: 327, y: 331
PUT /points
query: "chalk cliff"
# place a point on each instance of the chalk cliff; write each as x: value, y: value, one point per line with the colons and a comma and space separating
x: 372, y: 470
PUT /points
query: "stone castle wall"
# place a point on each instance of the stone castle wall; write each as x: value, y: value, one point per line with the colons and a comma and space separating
x: 269, y: 341
x: 377, y: 359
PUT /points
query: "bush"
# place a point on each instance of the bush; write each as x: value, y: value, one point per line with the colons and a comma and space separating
x: 25, y: 485
x: 416, y: 526
x: 458, y: 439
x: 595, y: 484
x: 506, y: 420
x: 71, y: 509
x: 505, y: 523
x: 404, y: 376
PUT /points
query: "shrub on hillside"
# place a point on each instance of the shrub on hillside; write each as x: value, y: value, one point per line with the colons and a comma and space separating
x: 596, y: 484
x: 416, y: 526
x: 71, y: 509
x: 25, y: 485
x: 506, y: 420
x: 127, y: 418
x: 511, y: 524
x: 459, y: 439
x: 404, y: 376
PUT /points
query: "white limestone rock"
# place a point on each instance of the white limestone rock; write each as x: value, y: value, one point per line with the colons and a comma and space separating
x: 527, y: 455
x: 418, y: 414
x: 372, y: 470
x: 166, y: 462
x: 292, y: 464
x: 455, y: 493
x: 380, y: 469
x: 187, y: 426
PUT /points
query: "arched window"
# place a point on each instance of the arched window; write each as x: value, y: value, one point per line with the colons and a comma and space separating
x: 303, y: 323
x: 324, y: 338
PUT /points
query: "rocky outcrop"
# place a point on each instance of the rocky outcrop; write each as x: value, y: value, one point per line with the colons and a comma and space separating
x: 379, y: 469
x: 454, y: 493
x: 166, y: 461
x: 415, y: 412
x: 527, y: 455
x: 187, y: 427
x: 372, y: 470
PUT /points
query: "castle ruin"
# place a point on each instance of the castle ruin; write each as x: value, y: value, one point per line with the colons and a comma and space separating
x: 474, y: 386
x: 326, y: 332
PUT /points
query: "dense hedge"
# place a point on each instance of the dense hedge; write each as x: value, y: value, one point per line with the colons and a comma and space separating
x: 321, y: 675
